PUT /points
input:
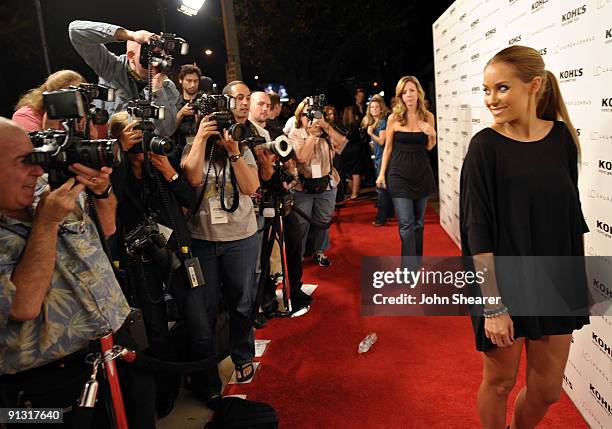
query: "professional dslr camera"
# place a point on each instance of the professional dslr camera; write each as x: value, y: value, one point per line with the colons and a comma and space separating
x: 145, y: 241
x: 77, y: 102
x: 315, y: 104
x: 159, y: 49
x: 146, y: 112
x: 220, y: 107
x: 56, y: 150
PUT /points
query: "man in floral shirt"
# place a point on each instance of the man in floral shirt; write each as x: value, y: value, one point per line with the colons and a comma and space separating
x: 57, y: 288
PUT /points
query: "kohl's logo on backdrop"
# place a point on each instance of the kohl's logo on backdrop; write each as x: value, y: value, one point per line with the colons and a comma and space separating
x: 464, y: 77
x: 604, y: 228
x: 570, y: 75
x: 490, y: 33
x: 463, y: 48
x: 537, y: 5
x: 606, y: 291
x: 475, y: 89
x: 511, y: 2
x: 605, y: 167
x: 567, y: 382
x: 515, y: 40
x: 475, y: 23
x: 462, y: 17
x: 601, y: 400
x: 608, y: 37
x: 573, y: 15
x: 475, y: 57
x: 606, y: 104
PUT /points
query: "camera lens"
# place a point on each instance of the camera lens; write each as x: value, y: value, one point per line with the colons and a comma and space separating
x: 161, y: 145
x: 239, y: 132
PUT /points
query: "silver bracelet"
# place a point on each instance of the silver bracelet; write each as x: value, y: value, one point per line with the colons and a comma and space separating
x: 494, y: 312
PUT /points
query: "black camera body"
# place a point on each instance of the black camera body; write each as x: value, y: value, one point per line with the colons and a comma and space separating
x: 145, y: 111
x: 56, y: 150
x: 316, y: 105
x: 77, y: 102
x: 219, y: 108
x: 146, y: 242
x: 159, y: 51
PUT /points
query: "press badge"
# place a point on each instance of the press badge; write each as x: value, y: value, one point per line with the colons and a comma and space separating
x: 217, y: 214
x: 315, y: 169
x: 194, y: 272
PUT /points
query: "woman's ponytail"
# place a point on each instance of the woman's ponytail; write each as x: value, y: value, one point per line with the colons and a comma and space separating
x: 551, y: 106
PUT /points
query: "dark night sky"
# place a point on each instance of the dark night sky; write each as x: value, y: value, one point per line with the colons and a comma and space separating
x: 24, y: 67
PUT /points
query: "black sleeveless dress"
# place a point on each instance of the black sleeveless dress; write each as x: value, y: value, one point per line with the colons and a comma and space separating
x: 410, y: 174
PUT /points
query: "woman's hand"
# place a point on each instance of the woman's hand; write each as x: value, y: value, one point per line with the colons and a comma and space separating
x: 427, y: 129
x: 500, y: 330
x: 130, y: 137
x: 162, y: 164
x: 380, y: 182
x: 370, y: 130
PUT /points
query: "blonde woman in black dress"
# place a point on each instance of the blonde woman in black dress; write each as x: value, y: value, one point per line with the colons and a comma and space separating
x: 405, y: 170
x: 519, y: 197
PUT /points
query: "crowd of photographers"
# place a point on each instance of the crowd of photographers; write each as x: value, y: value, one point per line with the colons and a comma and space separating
x: 133, y: 203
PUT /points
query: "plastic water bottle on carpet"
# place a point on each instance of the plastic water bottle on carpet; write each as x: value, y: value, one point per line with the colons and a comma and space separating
x: 367, y: 342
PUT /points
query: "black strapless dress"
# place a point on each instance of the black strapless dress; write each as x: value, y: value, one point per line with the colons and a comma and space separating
x: 410, y: 174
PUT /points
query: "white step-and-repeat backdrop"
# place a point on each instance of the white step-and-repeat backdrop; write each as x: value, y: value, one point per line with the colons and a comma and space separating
x: 575, y: 40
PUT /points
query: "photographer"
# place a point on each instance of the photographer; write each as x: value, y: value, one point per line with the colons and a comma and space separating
x: 272, y: 187
x: 57, y: 287
x: 315, y: 142
x: 224, y: 239
x: 125, y: 72
x: 30, y: 112
x: 153, y: 188
x: 189, y: 81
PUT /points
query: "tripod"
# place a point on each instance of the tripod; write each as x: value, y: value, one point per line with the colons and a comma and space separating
x: 274, y: 231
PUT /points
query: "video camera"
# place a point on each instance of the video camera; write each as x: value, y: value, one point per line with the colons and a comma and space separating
x: 146, y: 112
x: 77, y: 102
x: 56, y: 150
x: 220, y: 107
x: 159, y: 51
x: 316, y: 105
x: 145, y: 241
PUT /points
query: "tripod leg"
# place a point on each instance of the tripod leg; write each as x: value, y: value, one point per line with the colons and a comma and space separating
x: 280, y: 237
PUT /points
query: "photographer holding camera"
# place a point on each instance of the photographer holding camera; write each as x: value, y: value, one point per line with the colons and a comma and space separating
x: 57, y: 288
x: 224, y: 233
x: 186, y: 121
x: 126, y: 72
x: 316, y: 142
x: 152, y: 192
x: 272, y: 173
x: 30, y: 112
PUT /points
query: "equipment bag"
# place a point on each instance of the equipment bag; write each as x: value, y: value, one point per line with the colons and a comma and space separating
x: 236, y: 413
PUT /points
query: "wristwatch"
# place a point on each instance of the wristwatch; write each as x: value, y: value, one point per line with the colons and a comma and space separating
x: 234, y: 158
x: 173, y: 178
x: 104, y: 195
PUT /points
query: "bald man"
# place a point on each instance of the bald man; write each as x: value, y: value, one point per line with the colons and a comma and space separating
x: 124, y: 72
x: 57, y: 287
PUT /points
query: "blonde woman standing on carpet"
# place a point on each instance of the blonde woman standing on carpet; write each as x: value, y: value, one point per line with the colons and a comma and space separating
x: 405, y: 170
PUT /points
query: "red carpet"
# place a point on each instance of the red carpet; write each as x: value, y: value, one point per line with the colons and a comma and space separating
x: 422, y: 373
